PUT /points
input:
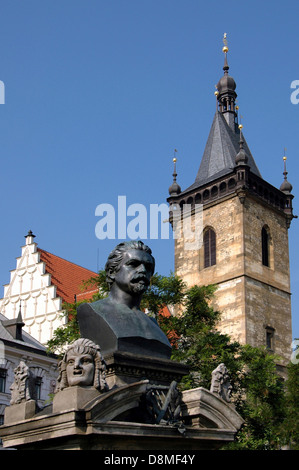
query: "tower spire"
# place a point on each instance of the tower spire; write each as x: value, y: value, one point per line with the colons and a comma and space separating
x: 286, y: 187
x: 241, y: 157
x: 226, y: 91
x: 175, y: 187
x: 225, y: 50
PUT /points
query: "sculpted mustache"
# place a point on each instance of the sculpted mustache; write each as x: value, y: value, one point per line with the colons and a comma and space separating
x: 140, y: 278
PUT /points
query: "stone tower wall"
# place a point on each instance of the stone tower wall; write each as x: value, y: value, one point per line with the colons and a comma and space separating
x: 250, y: 296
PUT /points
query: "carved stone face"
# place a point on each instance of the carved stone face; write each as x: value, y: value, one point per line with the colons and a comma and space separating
x: 79, y: 369
x: 135, y: 272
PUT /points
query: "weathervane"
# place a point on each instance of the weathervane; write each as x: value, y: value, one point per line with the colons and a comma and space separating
x: 286, y: 187
x: 225, y: 47
x: 174, y: 188
x: 174, y: 161
x: 285, y: 163
x: 225, y: 50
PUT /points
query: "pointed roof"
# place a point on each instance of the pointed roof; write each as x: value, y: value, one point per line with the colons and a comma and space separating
x: 15, y: 325
x: 68, y: 277
x: 241, y: 157
x: 219, y: 157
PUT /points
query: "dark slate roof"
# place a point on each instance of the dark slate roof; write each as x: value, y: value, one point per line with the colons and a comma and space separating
x: 220, y: 152
x: 28, y: 340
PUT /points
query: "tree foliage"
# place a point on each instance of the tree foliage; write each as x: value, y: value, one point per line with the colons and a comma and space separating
x: 69, y: 332
x: 198, y: 342
x: 289, y: 431
x: 260, y: 400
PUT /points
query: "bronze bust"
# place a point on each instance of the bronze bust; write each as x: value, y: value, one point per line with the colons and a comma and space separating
x: 116, y: 323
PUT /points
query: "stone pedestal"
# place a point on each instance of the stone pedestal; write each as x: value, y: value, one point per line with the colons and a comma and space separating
x: 103, y: 421
x: 126, y: 368
x: 73, y: 398
x: 20, y: 411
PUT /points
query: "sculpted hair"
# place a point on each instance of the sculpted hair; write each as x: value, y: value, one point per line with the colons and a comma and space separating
x: 116, y: 256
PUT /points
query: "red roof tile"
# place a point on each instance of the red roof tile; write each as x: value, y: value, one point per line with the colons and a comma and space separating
x: 67, y: 277
x: 164, y: 311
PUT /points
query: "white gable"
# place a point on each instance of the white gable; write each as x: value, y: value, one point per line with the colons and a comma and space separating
x: 30, y: 286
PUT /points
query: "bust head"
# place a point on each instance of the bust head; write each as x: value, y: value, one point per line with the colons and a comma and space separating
x: 129, y: 267
x: 116, y: 322
x: 82, y: 365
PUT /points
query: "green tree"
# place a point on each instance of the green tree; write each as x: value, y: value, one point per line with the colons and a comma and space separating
x: 260, y: 401
x: 68, y: 333
x: 198, y: 342
x: 163, y: 290
x: 268, y: 406
x: 289, y: 431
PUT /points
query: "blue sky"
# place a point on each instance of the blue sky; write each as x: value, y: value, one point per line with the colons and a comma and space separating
x: 99, y: 93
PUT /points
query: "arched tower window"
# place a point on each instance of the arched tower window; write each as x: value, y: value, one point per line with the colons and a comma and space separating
x: 270, y: 338
x: 209, y: 241
x: 265, y: 247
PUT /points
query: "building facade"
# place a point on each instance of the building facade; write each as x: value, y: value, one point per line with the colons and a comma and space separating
x: 244, y: 225
x: 40, y: 284
x: 15, y: 346
x: 31, y: 309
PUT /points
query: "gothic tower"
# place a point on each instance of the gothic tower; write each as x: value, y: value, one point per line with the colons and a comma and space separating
x: 243, y: 221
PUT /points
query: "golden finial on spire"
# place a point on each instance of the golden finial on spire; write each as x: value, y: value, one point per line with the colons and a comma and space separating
x: 240, y: 126
x: 286, y: 187
x: 225, y: 48
x: 285, y: 163
x: 175, y: 188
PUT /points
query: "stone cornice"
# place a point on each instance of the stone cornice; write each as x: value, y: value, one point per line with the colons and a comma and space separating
x: 240, y: 182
